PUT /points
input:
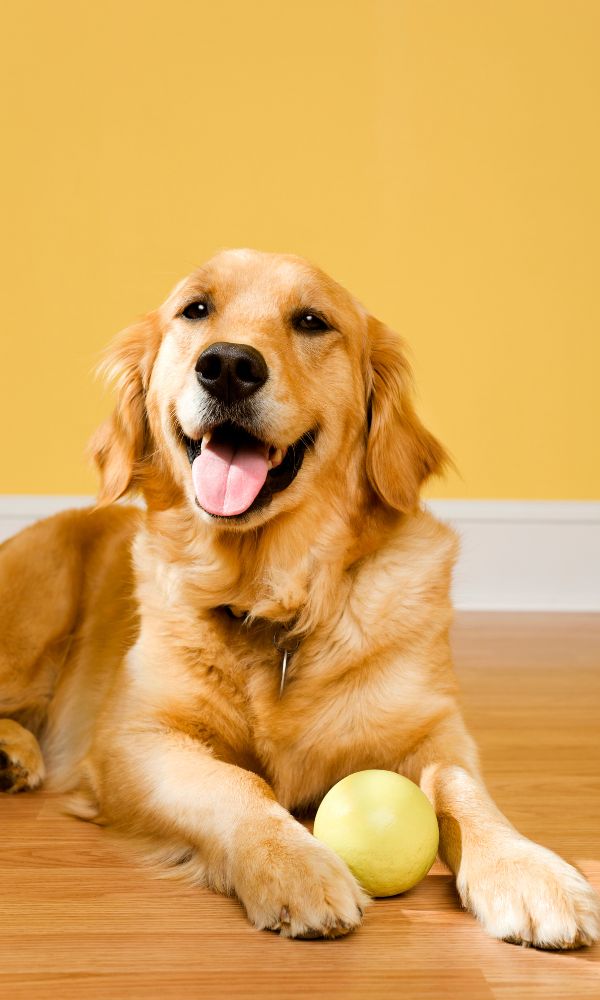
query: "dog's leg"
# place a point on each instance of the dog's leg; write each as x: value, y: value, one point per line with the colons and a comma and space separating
x: 40, y: 583
x: 167, y: 784
x: 520, y: 891
x: 21, y: 763
x: 67, y: 571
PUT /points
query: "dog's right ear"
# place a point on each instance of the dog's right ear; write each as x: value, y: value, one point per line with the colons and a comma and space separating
x: 121, y: 444
x: 401, y: 452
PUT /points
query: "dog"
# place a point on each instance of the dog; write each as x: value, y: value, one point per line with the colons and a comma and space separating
x: 196, y: 672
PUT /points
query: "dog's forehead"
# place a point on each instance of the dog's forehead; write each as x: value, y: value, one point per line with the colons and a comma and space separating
x: 264, y: 282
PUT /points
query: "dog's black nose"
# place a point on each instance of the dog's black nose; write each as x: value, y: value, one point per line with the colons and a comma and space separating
x: 231, y: 371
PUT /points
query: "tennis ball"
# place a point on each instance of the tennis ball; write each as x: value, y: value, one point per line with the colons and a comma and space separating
x: 383, y: 827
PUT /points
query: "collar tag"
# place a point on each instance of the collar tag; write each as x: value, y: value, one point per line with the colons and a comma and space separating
x: 284, y: 663
x: 282, y: 643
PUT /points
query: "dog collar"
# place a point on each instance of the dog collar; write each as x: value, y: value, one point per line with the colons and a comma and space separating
x: 283, y: 644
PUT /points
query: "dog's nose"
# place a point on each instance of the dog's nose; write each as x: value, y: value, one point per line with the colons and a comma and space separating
x: 231, y: 371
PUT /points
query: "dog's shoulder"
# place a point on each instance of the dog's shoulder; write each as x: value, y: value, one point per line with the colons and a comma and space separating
x: 420, y: 547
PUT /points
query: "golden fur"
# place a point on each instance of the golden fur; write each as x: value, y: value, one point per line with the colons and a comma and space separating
x: 138, y: 646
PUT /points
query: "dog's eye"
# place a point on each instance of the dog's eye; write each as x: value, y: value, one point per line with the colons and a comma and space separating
x: 310, y: 322
x: 196, y: 310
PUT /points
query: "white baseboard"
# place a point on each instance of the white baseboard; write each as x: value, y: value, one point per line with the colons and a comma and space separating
x: 516, y: 555
x: 525, y: 555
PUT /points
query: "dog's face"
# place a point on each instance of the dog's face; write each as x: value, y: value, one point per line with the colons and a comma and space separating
x: 255, y: 350
x: 258, y: 382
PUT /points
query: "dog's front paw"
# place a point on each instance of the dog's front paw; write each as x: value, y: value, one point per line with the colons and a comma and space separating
x: 526, y: 894
x: 21, y: 762
x: 291, y: 883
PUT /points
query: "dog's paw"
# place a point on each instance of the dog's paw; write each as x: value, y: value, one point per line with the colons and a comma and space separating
x: 289, y: 882
x: 21, y: 762
x: 526, y: 894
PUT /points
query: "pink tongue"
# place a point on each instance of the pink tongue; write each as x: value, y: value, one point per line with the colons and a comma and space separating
x: 227, y: 480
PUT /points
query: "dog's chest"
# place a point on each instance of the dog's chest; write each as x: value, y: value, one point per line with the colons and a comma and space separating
x: 324, y: 725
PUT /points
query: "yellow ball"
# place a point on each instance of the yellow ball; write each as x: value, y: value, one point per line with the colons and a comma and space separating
x: 383, y: 827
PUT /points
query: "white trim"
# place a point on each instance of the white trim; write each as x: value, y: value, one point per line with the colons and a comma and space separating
x: 516, y: 555
x: 574, y: 511
x: 525, y: 555
x: 24, y: 508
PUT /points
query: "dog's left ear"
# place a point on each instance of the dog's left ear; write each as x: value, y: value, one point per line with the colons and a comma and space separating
x: 401, y: 452
x: 120, y: 446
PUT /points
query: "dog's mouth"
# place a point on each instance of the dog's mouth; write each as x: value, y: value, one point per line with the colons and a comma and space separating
x: 235, y: 473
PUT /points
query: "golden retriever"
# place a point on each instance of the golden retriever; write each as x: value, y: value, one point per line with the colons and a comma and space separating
x: 274, y: 619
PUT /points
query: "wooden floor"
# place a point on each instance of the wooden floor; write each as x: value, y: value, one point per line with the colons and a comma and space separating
x: 79, y: 921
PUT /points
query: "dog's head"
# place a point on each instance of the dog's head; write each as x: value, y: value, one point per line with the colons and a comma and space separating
x: 260, y: 382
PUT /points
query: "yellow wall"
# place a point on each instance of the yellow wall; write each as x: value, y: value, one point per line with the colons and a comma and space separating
x: 439, y: 157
